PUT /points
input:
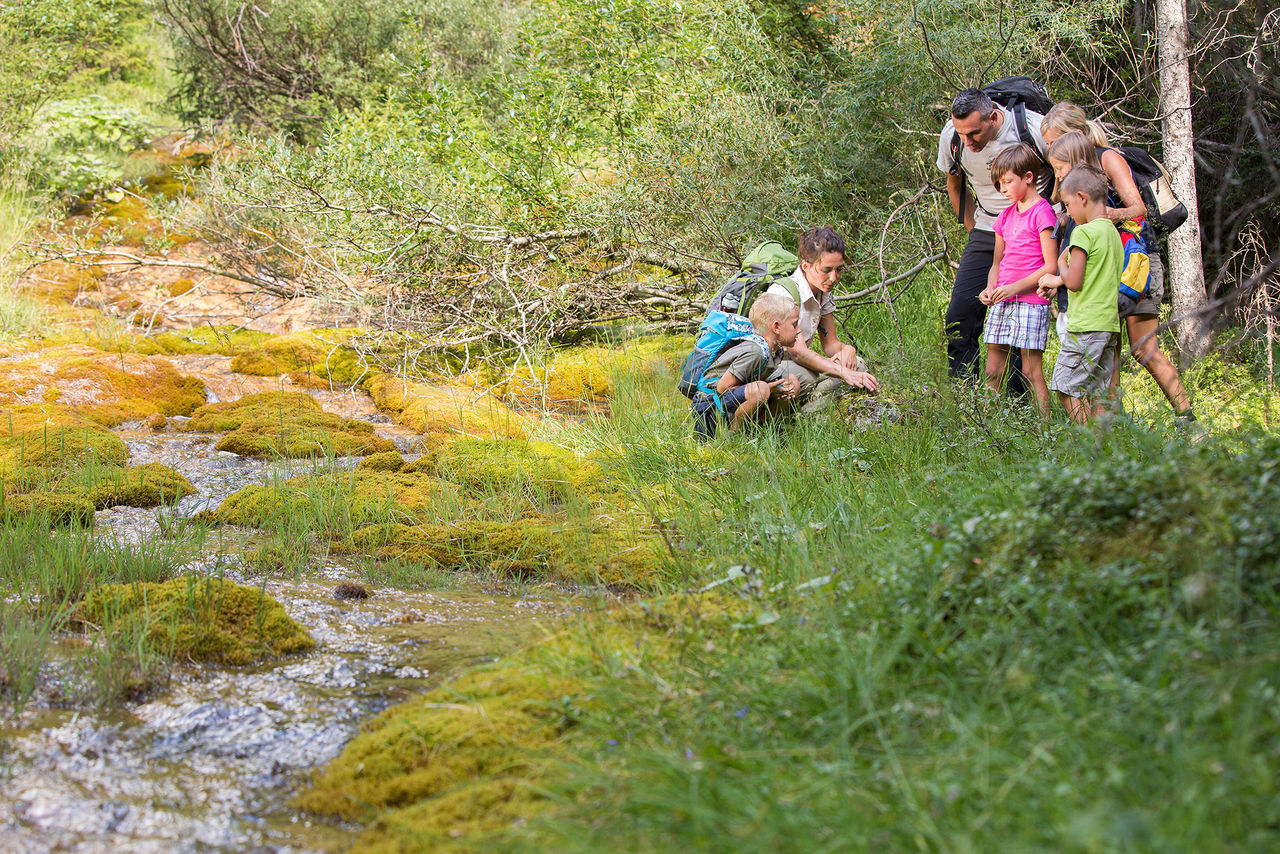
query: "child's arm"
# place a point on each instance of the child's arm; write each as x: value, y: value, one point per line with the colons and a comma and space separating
x: 1049, y: 251
x: 1074, y: 280
x: 994, y: 275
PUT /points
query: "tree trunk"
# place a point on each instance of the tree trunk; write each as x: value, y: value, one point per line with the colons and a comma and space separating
x: 1185, y: 262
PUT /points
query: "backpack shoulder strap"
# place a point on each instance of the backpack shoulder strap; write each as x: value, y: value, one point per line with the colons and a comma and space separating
x: 792, y: 289
x: 957, y: 169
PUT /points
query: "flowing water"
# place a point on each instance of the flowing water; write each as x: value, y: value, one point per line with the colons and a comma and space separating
x: 210, y: 763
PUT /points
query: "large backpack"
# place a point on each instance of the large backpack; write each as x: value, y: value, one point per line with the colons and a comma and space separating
x: 720, y: 330
x: 726, y: 323
x: 1016, y: 94
x: 762, y: 266
x: 1164, y: 211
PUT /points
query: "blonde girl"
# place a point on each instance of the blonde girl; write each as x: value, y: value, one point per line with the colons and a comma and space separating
x: 1076, y: 139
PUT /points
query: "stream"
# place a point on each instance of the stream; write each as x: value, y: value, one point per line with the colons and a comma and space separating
x: 211, y: 762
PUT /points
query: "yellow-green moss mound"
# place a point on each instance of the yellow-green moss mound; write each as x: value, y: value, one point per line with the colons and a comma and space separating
x: 356, y: 498
x: 107, y: 388
x: 288, y: 424
x: 323, y: 354
x: 489, y: 464
x: 533, y: 547
x: 445, y: 413
x: 453, y: 765
x: 209, y: 620
x: 385, y: 461
x: 63, y: 473
x: 45, y: 507
x: 580, y: 376
x: 60, y: 446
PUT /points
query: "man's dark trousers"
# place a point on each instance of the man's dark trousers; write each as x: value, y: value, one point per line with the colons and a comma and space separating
x: 966, y: 314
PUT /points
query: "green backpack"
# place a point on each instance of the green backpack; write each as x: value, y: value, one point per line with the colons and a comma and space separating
x: 764, y: 265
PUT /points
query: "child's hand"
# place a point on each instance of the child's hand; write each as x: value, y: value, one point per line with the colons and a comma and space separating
x: 1049, y: 284
x: 1001, y: 294
x: 785, y: 388
x: 985, y: 296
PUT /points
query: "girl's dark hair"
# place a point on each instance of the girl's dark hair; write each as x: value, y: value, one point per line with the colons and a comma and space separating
x: 817, y: 241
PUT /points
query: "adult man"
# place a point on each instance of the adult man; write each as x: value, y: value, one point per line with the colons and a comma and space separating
x: 985, y: 129
x: 822, y: 373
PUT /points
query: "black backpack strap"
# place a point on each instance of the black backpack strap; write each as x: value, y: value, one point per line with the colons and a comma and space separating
x: 1024, y: 134
x: 957, y: 169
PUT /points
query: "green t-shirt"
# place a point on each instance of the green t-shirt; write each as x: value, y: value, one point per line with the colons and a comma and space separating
x: 1093, y: 307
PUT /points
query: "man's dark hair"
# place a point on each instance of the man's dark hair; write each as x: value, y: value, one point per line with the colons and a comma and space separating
x: 818, y: 241
x: 969, y: 100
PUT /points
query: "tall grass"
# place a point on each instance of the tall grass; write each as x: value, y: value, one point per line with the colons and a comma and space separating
x: 972, y: 630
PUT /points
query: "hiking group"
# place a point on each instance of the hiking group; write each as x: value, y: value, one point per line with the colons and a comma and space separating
x: 1055, y: 217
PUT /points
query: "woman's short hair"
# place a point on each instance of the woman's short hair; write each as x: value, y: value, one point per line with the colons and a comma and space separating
x: 1066, y: 117
x: 818, y: 241
x: 1018, y: 159
x: 769, y: 308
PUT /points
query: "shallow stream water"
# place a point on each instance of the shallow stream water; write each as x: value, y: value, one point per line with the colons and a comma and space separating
x: 210, y: 763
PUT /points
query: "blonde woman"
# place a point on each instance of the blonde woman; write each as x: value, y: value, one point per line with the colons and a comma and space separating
x: 1125, y: 203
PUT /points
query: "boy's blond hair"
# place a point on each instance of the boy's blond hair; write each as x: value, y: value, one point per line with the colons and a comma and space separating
x: 769, y: 308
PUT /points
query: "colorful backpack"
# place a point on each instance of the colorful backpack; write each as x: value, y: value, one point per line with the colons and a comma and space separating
x: 726, y: 323
x: 1135, y: 277
x: 720, y: 330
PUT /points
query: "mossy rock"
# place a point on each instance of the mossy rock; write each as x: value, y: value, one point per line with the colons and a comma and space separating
x: 587, y: 375
x: 288, y: 424
x: 444, y: 412
x: 323, y: 354
x: 59, y: 509
x: 385, y: 461
x: 209, y: 620
x: 107, y: 388
x: 147, y: 485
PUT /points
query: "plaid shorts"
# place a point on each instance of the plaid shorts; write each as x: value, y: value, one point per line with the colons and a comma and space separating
x: 1017, y: 324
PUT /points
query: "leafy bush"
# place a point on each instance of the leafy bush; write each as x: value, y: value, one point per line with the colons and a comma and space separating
x: 80, y: 143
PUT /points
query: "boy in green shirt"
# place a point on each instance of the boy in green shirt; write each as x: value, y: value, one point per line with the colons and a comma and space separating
x: 1091, y: 272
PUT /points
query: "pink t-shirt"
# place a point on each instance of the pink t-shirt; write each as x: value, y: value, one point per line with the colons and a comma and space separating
x: 1022, y: 254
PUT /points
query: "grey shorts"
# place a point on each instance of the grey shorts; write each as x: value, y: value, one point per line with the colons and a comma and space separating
x: 1149, y: 305
x: 1085, y: 364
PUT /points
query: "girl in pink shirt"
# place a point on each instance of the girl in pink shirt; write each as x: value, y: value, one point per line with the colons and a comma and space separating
x: 1025, y: 251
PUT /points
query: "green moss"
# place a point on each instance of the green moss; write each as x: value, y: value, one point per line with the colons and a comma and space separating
x: 56, y: 508
x: 323, y: 354
x: 515, y: 464
x: 148, y: 485
x: 289, y: 424
x: 208, y: 340
x: 353, y: 499
x: 385, y: 461
x: 533, y: 547
x: 458, y: 761
x: 445, y: 413
x: 209, y: 620
x: 587, y: 375
x: 59, y: 447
